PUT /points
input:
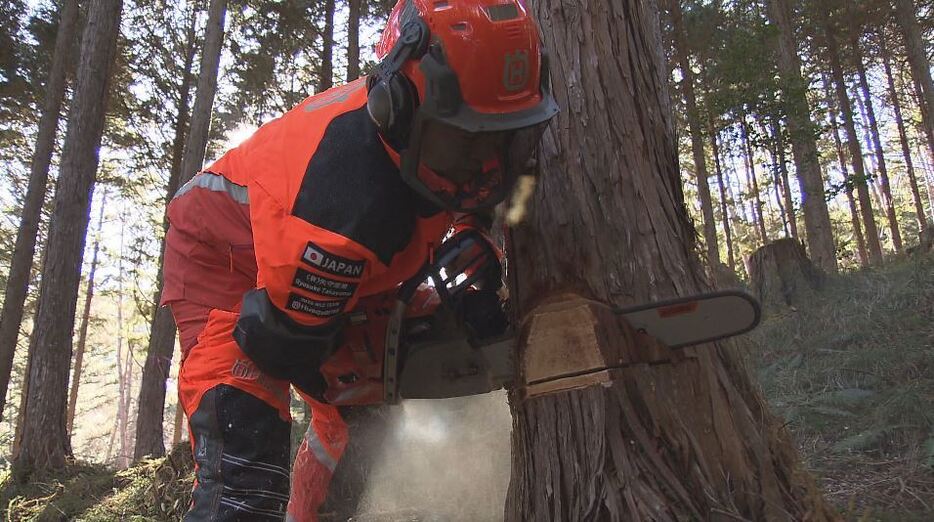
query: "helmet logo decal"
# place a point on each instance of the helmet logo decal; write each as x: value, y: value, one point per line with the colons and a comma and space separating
x: 516, y: 70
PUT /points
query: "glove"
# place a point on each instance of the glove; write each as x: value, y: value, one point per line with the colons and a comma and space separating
x: 467, y: 260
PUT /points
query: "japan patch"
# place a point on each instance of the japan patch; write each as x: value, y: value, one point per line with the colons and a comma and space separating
x: 321, y: 285
x: 314, y: 307
x: 331, y: 263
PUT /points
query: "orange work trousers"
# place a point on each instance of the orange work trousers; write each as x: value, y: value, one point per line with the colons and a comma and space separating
x: 239, y: 424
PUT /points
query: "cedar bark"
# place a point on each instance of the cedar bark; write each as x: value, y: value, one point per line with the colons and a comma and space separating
x: 783, y: 170
x: 757, y: 214
x: 804, y: 146
x: 178, y: 425
x: 903, y: 136
x: 197, y: 141
x: 847, y: 182
x: 920, y: 65
x: 777, y: 186
x: 83, y: 328
x: 724, y: 207
x: 353, y: 39
x: 882, y: 169
x: 126, y: 371
x: 150, y: 414
x: 860, y: 179
x: 21, y: 264
x: 688, y: 438
x: 697, y: 133
x: 326, y: 81
x: 45, y: 441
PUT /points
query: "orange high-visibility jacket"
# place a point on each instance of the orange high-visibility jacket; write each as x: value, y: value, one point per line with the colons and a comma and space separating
x: 319, y: 199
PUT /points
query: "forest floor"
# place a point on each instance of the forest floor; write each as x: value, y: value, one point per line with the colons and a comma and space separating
x: 851, y: 372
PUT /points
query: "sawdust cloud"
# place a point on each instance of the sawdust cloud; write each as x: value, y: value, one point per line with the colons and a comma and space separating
x: 444, y: 460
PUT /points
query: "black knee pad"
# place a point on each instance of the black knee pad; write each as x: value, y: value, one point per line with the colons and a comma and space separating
x: 242, y: 452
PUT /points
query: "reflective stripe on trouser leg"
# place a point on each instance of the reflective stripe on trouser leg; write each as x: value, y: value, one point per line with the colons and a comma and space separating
x: 315, y: 461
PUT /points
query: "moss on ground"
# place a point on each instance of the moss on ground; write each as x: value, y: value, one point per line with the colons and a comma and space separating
x: 156, y: 490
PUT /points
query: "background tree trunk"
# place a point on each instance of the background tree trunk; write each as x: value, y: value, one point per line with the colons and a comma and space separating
x: 783, y: 170
x: 757, y: 214
x: 847, y: 181
x: 860, y: 179
x: 83, y: 328
x: 803, y: 143
x: 687, y: 438
x: 200, y: 126
x: 45, y: 441
x: 696, y: 129
x: 918, y: 59
x: 724, y: 206
x: 17, y: 283
x: 353, y: 39
x: 150, y: 414
x: 326, y: 81
x: 777, y: 186
x: 883, y: 171
x: 903, y: 136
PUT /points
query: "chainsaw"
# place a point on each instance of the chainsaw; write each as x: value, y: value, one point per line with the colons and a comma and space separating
x: 446, y: 334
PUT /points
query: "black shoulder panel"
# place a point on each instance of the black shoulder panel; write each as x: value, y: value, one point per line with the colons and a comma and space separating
x: 353, y: 188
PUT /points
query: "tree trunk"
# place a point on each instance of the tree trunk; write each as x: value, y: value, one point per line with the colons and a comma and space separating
x: 179, y: 425
x: 757, y: 214
x: 872, y: 167
x: 45, y: 441
x: 125, y: 440
x: 778, y: 190
x: 724, y: 207
x: 883, y: 171
x: 696, y: 130
x: 847, y: 182
x: 83, y: 328
x: 21, y: 264
x: 786, y: 186
x: 860, y: 180
x: 151, y: 403
x: 781, y: 274
x: 903, y: 137
x: 918, y: 59
x: 803, y: 142
x: 922, y: 108
x: 684, y: 438
x: 326, y: 80
x: 126, y: 371
x: 353, y: 39
x: 197, y: 141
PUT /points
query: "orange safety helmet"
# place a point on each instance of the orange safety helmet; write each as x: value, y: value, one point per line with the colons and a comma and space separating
x: 462, y: 93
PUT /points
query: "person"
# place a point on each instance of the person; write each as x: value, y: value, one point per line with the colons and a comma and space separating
x: 338, y: 201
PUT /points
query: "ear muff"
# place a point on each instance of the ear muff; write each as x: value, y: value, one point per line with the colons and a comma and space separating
x: 391, y: 97
x: 391, y: 104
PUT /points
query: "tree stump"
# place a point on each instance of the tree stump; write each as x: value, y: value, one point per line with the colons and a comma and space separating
x: 781, y: 274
